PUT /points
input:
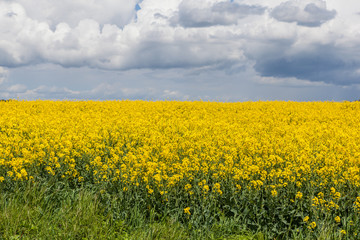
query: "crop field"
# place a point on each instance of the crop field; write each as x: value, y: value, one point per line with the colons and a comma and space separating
x: 280, y: 169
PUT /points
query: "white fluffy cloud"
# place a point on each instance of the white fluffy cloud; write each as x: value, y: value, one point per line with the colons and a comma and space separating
x: 27, y: 40
x: 118, y: 12
x: 148, y: 42
x: 310, y: 13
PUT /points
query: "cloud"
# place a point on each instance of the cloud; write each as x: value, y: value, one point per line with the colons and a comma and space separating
x: 320, y: 63
x: 140, y: 44
x: 118, y: 12
x: 26, y: 41
x: 40, y: 92
x: 201, y: 36
x: 17, y: 88
x: 290, y: 82
x: 185, y: 54
x: 3, y: 75
x: 328, y: 54
x: 210, y: 13
x: 162, y: 84
x: 115, y: 91
x: 309, y: 13
x: 103, y: 91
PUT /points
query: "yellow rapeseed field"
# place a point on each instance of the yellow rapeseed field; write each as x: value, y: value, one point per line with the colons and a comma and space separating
x: 307, y: 154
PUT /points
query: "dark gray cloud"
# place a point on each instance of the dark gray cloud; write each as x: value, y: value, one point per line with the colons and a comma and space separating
x: 183, y: 54
x: 323, y: 63
x: 304, y: 13
x: 222, y: 13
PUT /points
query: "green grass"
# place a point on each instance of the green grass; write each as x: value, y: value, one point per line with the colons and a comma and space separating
x: 40, y: 211
x: 59, y: 211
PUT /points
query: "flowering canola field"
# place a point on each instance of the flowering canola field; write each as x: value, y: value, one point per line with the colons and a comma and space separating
x: 296, y: 163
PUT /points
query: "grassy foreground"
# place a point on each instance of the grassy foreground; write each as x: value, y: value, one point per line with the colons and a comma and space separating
x: 42, y: 211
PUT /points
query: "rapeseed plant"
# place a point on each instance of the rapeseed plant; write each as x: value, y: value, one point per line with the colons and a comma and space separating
x: 298, y: 160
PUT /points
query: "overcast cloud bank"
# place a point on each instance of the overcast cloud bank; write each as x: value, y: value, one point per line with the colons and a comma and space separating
x: 306, y: 40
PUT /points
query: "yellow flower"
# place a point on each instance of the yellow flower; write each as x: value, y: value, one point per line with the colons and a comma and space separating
x: 337, y: 195
x: 306, y: 219
x: 23, y: 172
x: 337, y: 219
x: 298, y: 195
x: 187, y: 210
x: 313, y: 225
x: 343, y: 231
x: 187, y: 187
x: 217, y: 188
x: 202, y: 183
x: 315, y: 201
x: 274, y: 193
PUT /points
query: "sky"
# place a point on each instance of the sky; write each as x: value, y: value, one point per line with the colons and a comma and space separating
x: 210, y: 50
